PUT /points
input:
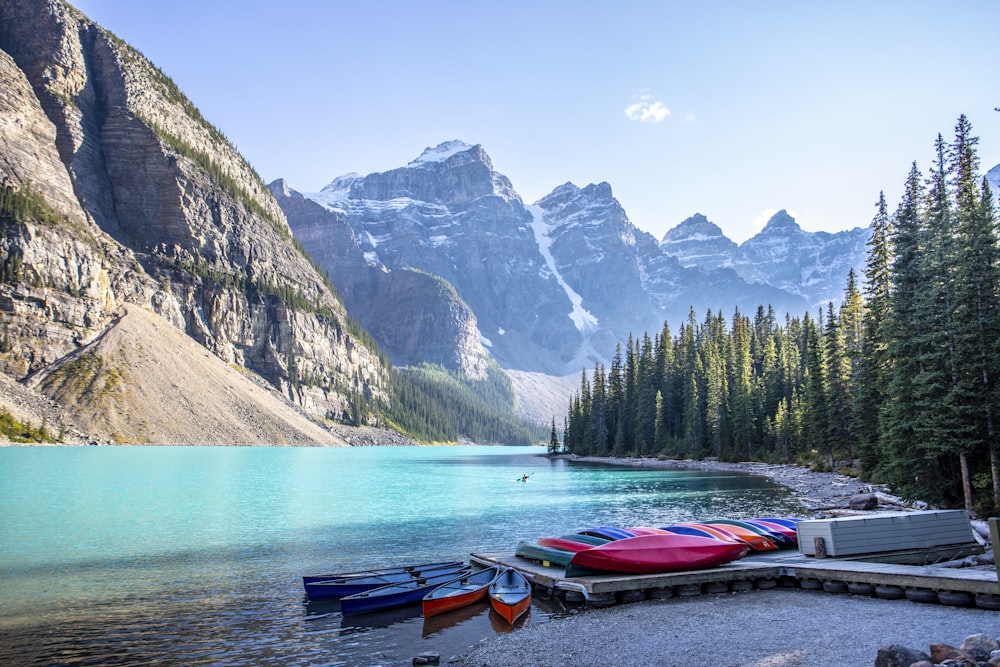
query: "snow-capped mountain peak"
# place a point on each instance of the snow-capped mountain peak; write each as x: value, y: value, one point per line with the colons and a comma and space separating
x: 781, y: 222
x: 697, y: 227
x: 441, y: 152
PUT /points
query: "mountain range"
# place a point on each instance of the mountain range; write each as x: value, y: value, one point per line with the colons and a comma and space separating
x: 154, y: 289
x: 548, y: 287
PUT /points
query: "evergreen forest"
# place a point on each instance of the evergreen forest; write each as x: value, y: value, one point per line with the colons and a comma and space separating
x: 897, y: 383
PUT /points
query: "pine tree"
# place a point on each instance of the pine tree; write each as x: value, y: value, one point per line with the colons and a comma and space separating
x: 741, y: 386
x: 872, y: 377
x: 816, y: 412
x: 615, y: 399
x: 646, y: 390
x: 977, y: 309
x: 838, y: 387
x: 598, y: 411
x: 902, y: 461
x: 852, y: 329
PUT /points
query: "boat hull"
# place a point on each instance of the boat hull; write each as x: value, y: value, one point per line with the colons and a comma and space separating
x: 565, y: 544
x: 396, y: 595
x: 771, y: 533
x: 459, y: 593
x: 545, y: 555
x: 312, y: 579
x: 756, y: 540
x: 656, y: 553
x: 510, y: 595
x: 336, y: 588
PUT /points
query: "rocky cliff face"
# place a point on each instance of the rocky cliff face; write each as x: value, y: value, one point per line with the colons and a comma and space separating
x: 155, y: 208
x: 813, y: 265
x: 554, y: 286
x: 810, y: 265
x: 414, y: 316
x: 451, y: 215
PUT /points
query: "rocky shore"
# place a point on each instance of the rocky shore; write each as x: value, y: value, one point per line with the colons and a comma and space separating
x: 818, y: 492
x: 761, y: 628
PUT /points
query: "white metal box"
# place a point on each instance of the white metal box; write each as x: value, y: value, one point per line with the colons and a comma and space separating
x: 888, y: 531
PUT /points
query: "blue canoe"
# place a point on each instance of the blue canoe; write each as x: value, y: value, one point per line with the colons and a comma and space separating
x: 395, y: 595
x: 608, y: 532
x: 311, y: 579
x: 331, y: 587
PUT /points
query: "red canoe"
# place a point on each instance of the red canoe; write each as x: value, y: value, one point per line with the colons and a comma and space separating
x: 651, y: 554
x: 564, y: 543
x: 510, y: 595
x: 459, y: 593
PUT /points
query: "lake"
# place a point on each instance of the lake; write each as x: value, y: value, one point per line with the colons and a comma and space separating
x: 194, y: 555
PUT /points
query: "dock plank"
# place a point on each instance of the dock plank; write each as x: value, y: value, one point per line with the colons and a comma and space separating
x: 768, y: 565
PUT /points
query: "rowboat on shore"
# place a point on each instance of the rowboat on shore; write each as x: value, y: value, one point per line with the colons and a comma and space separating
x: 398, y: 594
x: 701, y: 531
x: 332, y: 587
x: 565, y: 543
x: 776, y: 536
x: 789, y: 533
x: 544, y: 555
x: 656, y: 553
x: 608, y: 532
x: 787, y: 521
x: 311, y: 579
x: 460, y: 592
x: 510, y: 595
x: 756, y: 540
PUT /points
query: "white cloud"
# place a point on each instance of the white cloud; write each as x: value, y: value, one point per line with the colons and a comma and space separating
x: 647, y: 110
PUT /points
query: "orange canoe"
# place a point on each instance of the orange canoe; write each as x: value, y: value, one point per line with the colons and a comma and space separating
x: 510, y: 595
x: 756, y: 541
x: 459, y: 593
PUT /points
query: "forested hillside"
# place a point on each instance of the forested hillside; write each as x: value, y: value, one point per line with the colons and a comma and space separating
x: 898, y: 380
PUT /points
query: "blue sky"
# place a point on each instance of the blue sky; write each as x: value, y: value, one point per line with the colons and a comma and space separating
x: 729, y: 109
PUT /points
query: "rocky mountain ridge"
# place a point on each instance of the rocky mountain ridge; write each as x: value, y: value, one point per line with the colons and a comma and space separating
x: 554, y: 286
x: 441, y: 260
x: 150, y: 207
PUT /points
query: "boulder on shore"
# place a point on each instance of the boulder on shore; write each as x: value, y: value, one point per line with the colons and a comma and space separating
x: 895, y: 655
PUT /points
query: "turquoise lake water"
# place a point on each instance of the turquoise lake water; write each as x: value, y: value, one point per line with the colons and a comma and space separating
x: 194, y: 555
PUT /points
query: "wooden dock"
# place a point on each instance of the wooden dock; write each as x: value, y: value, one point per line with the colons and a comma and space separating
x: 891, y: 580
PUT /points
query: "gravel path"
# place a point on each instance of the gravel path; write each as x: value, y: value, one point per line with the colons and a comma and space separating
x: 773, y: 628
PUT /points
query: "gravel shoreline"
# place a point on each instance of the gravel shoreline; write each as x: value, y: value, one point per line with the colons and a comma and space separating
x: 817, y: 491
x: 771, y: 628
x: 761, y: 628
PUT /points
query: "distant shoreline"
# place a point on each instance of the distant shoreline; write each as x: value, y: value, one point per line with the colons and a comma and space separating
x: 817, y: 491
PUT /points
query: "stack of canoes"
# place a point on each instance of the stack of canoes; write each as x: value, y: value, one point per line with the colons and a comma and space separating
x: 642, y: 550
x: 439, y: 587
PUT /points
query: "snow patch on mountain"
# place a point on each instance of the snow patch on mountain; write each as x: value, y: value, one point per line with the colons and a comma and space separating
x: 441, y: 152
x: 993, y: 178
x: 583, y: 320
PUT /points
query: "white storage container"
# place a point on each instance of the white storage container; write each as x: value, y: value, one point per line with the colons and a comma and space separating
x: 889, y: 531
